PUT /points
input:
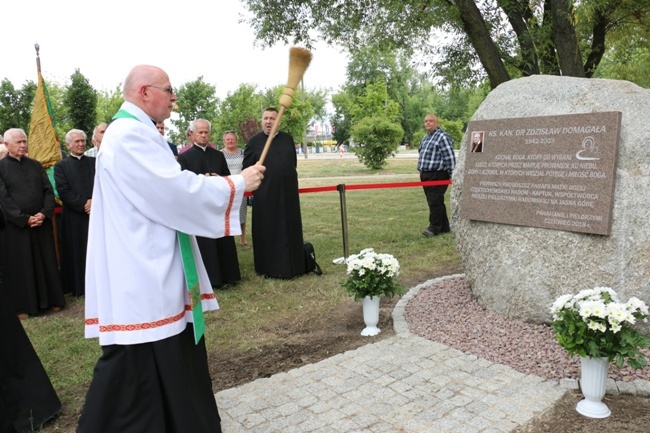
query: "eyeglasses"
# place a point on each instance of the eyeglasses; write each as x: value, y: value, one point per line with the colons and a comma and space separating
x: 168, y: 89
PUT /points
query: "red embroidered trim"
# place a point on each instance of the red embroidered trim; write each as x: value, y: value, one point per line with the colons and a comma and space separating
x: 149, y: 325
x: 231, y: 184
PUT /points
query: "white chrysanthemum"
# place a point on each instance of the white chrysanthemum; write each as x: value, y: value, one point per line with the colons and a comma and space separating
x: 561, y: 303
x: 368, y: 261
x: 635, y: 304
x: 616, y: 312
x: 598, y: 309
x: 602, y: 327
x: 612, y: 293
x: 585, y: 294
x: 615, y: 327
x: 593, y: 325
x: 586, y: 309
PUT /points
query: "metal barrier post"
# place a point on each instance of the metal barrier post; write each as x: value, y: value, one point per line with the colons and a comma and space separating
x: 344, y: 219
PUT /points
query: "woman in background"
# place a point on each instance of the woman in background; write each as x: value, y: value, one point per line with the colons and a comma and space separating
x: 235, y: 159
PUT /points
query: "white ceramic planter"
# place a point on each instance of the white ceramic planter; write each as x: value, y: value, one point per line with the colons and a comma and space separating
x: 593, y: 381
x: 370, y: 316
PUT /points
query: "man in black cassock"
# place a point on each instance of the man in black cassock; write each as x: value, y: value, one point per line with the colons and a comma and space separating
x: 278, y: 247
x: 27, y: 398
x: 27, y: 254
x: 219, y: 255
x: 74, y: 177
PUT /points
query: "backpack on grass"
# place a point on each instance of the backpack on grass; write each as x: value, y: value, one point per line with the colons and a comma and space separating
x: 310, y: 260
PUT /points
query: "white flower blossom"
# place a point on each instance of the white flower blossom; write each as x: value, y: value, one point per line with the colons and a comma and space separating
x: 635, y: 304
x: 586, y: 309
x: 617, y: 312
x: 593, y: 325
x: 561, y: 303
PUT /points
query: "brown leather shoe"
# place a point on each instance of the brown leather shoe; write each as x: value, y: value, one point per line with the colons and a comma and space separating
x: 55, y: 309
x: 23, y: 316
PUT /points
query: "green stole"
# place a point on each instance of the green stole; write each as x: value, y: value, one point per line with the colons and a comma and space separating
x: 189, y: 266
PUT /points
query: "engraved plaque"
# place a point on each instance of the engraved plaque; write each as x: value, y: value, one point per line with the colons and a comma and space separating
x: 554, y: 172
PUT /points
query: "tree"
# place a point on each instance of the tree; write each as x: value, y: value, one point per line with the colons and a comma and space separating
x: 16, y: 105
x: 81, y: 103
x: 341, y: 120
x: 196, y: 100
x: 376, y: 139
x: 238, y: 106
x: 108, y: 103
x: 509, y: 38
x: 628, y: 55
x: 303, y: 109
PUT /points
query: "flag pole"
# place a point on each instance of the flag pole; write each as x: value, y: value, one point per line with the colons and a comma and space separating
x: 38, y: 58
x: 55, y: 225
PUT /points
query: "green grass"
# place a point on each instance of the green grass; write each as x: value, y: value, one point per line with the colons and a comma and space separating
x: 254, y: 314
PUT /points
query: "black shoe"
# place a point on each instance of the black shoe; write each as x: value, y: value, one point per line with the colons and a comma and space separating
x: 429, y: 233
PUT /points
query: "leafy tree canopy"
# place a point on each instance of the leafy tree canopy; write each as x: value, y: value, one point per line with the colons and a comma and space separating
x: 16, y: 105
x: 509, y: 38
x: 81, y: 104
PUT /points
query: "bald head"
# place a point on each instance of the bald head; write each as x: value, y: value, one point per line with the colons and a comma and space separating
x: 430, y: 122
x: 149, y: 88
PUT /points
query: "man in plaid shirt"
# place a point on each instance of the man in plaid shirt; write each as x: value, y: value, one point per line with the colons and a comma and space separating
x: 436, y: 162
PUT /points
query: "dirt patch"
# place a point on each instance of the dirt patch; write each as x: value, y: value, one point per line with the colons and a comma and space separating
x: 630, y: 414
x: 294, y: 347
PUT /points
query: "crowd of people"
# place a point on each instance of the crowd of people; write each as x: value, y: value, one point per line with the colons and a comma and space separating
x: 137, y: 215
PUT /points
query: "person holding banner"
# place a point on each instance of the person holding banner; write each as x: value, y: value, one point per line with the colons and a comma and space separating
x: 436, y: 161
x: 146, y: 286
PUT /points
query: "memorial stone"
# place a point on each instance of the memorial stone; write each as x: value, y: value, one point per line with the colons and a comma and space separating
x: 520, y: 254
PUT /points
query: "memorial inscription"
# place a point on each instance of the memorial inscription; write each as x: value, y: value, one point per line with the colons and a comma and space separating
x: 553, y: 172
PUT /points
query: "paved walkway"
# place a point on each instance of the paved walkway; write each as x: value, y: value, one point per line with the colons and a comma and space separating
x: 403, y: 384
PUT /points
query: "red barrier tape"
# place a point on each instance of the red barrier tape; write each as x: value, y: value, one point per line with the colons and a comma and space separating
x: 370, y: 186
x: 377, y: 186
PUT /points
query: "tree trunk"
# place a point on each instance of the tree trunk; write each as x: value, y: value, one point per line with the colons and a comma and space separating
x: 516, y: 13
x: 597, y: 44
x: 565, y: 39
x: 547, y: 55
x: 481, y: 40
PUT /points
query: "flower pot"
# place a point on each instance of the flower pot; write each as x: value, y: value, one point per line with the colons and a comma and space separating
x: 370, y: 316
x: 593, y: 380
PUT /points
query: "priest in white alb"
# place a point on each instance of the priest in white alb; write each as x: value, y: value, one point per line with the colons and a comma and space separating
x: 146, y: 286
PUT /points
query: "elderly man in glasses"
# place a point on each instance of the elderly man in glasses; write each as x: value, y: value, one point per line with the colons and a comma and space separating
x: 146, y: 287
x: 219, y: 255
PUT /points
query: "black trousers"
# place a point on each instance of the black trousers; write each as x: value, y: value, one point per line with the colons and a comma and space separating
x: 438, y: 221
x: 158, y: 387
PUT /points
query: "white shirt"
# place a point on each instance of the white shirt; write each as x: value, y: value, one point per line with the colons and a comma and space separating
x: 135, y: 284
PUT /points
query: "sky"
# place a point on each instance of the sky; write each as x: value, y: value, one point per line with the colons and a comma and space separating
x: 188, y: 39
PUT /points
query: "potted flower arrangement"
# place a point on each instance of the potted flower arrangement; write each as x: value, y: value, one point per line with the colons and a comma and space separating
x: 598, y: 327
x: 371, y: 275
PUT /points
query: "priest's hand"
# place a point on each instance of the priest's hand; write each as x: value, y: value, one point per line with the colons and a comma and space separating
x: 36, y: 220
x: 87, y: 206
x: 253, y: 176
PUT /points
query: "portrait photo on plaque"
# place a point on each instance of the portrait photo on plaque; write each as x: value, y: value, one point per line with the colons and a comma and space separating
x: 477, y: 142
